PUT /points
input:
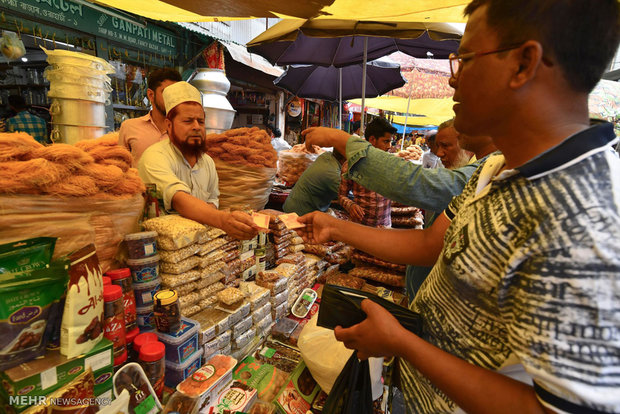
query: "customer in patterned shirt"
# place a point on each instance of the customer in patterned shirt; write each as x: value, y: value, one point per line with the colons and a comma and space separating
x: 521, y: 308
x: 367, y: 207
x: 26, y: 122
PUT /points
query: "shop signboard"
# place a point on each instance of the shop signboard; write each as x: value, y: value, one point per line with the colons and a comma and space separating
x: 146, y: 37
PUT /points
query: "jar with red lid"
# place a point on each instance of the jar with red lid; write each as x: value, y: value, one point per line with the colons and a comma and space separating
x: 122, y: 278
x: 106, y: 281
x: 140, y: 340
x: 130, y: 337
x: 114, y: 322
x: 152, y: 360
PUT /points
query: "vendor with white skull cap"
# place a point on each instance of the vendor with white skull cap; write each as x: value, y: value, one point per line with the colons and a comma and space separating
x: 185, y: 175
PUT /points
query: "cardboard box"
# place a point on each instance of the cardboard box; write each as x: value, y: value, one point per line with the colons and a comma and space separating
x: 45, y: 375
x: 297, y: 395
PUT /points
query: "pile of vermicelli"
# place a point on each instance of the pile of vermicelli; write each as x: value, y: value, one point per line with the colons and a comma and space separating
x: 98, y: 167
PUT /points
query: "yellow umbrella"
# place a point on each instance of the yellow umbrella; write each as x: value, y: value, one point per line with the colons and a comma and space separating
x: 219, y: 10
x: 429, y: 107
x: 419, y: 120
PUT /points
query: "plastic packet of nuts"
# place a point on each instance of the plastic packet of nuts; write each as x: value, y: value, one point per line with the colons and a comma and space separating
x: 180, y: 267
x: 171, y: 280
x: 175, y: 231
x: 175, y: 256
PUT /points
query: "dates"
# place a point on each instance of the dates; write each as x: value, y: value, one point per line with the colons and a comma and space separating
x: 92, y: 331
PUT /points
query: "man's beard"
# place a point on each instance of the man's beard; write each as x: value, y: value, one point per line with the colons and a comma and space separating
x: 190, y: 146
x: 461, y: 160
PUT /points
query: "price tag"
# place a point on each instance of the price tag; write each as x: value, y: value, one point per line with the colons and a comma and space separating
x: 98, y: 361
x: 48, y: 378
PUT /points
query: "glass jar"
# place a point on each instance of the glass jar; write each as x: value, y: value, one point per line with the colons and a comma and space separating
x: 122, y: 278
x: 114, y: 322
x: 166, y: 311
x: 152, y: 360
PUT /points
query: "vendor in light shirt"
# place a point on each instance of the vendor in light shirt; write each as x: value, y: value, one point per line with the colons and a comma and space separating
x: 138, y: 134
x: 185, y: 175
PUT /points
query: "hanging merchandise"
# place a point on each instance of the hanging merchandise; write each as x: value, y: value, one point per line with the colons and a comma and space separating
x: 294, y: 108
x: 11, y: 46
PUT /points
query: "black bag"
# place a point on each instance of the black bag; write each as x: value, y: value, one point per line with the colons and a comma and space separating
x: 341, y: 306
x: 352, y: 391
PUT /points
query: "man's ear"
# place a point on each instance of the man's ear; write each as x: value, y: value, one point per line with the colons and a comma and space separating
x: 168, y: 125
x: 150, y: 93
x: 529, y: 58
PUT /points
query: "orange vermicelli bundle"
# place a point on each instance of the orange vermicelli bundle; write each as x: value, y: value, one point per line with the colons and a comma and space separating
x: 28, y: 176
x: 65, y: 154
x: 74, y: 186
x: 106, y: 176
x: 130, y: 184
x: 107, y: 140
x: 17, y: 146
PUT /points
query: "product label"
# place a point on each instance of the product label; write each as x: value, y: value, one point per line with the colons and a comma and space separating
x: 129, y: 304
x: 146, y: 406
x: 204, y: 373
x: 149, y: 249
x: 187, y: 349
x: 114, y: 330
x: 192, y: 368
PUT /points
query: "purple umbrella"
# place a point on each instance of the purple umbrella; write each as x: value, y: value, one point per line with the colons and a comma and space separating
x: 322, y: 82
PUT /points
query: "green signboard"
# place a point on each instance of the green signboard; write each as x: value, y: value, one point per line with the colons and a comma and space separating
x: 81, y: 17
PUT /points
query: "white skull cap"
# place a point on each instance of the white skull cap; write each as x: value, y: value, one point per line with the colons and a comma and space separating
x: 180, y: 92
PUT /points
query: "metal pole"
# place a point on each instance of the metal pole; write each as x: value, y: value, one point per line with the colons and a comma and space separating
x: 340, y: 98
x: 362, y: 126
x: 402, y: 143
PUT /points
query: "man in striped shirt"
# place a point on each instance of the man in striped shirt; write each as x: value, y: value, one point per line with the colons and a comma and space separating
x: 520, y: 310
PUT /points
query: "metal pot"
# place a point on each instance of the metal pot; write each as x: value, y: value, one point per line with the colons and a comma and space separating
x: 73, y: 91
x: 210, y: 81
x: 78, y: 112
x: 70, y: 134
x: 218, y: 118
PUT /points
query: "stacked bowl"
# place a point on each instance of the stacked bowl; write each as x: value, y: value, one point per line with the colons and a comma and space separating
x: 79, y: 90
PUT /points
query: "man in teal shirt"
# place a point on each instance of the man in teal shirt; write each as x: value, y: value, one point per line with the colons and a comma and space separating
x: 317, y: 186
x: 401, y: 180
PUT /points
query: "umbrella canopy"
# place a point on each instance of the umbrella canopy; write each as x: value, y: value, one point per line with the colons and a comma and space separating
x: 320, y: 82
x: 219, y: 10
x: 340, y: 42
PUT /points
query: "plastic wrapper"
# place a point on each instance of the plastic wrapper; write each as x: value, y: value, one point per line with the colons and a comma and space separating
x: 212, y: 322
x: 264, y: 325
x: 294, y: 337
x: 287, y: 236
x: 258, y: 296
x: 175, y: 256
x: 282, y: 357
x: 75, y: 221
x: 181, y: 403
x: 261, y: 312
x: 275, y: 286
x: 237, y: 314
x: 203, y: 380
x: 208, y: 302
x: 295, y: 248
x: 261, y: 407
x: 11, y: 46
x: 283, y: 328
x: 211, y: 258
x: 131, y: 377
x: 366, y: 258
x: 213, y: 233
x: 189, y: 299
x: 267, y: 379
x: 20, y: 292
x: 171, y: 280
x: 187, y: 288
x: 346, y: 280
x: 120, y: 405
x: 241, y: 327
x: 210, y: 246
x: 213, y: 267
x: 211, y: 289
x: 379, y: 275
x: 244, y: 186
x: 176, y: 232
x: 323, y: 250
x: 243, y: 339
x: 223, y: 340
x: 82, y: 319
x: 280, y: 298
x: 293, y: 258
x: 291, y: 165
x: 404, y: 211
x: 26, y: 255
x: 210, y: 278
x: 180, y: 267
x: 408, y: 221
x: 279, y: 311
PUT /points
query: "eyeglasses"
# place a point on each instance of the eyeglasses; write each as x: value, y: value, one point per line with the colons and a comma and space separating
x: 456, y: 61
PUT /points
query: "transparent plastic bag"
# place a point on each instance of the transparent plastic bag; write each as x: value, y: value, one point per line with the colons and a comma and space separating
x: 291, y: 165
x: 12, y: 46
x: 244, y: 186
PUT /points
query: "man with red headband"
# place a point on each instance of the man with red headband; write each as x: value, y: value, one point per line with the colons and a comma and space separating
x: 185, y: 175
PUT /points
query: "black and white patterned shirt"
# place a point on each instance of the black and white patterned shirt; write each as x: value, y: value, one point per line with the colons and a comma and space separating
x: 529, y: 276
